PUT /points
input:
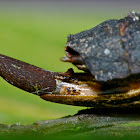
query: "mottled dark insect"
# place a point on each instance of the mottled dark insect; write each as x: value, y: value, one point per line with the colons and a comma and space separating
x: 108, y: 53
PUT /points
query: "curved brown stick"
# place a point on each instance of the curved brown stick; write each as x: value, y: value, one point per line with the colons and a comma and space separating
x: 71, y: 88
x: 27, y: 77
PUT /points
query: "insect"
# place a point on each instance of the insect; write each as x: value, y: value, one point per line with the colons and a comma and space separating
x: 109, y: 56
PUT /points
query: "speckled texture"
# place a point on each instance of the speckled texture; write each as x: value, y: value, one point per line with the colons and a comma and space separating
x: 111, y: 49
x: 27, y: 77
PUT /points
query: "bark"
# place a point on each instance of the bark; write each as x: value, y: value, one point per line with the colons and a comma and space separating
x: 108, y: 121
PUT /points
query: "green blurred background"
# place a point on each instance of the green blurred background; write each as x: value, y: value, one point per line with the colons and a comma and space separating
x: 36, y: 32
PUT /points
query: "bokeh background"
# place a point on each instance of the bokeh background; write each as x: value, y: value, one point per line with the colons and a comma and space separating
x: 36, y: 32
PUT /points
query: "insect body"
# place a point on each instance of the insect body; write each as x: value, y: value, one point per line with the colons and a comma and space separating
x: 109, y: 55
